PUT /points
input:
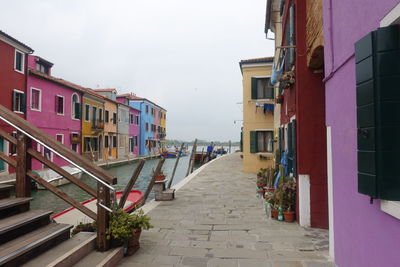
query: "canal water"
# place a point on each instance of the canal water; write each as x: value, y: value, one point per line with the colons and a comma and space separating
x: 44, y: 199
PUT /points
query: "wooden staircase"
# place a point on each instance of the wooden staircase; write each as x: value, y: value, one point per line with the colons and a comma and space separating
x: 25, y: 233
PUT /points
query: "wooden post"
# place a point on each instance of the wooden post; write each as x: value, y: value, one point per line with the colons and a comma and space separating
x: 131, y: 183
x: 103, y: 216
x: 176, y: 165
x: 192, y: 156
x: 23, y: 182
x: 230, y: 145
x: 202, y: 156
x: 152, y: 181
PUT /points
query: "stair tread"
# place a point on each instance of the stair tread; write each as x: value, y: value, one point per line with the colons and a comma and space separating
x: 6, y: 186
x: 59, y: 250
x: 20, y: 219
x: 95, y: 257
x: 14, y: 201
x: 23, y: 244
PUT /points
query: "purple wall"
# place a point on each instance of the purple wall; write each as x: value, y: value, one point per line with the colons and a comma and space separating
x: 134, y: 129
x: 363, y: 234
x: 47, y: 119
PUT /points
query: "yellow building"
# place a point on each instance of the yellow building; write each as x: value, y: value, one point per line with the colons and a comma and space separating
x: 163, y: 130
x: 110, y: 144
x: 92, y: 125
x: 258, y: 114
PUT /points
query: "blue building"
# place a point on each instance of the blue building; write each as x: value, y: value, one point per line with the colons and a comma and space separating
x: 152, y: 123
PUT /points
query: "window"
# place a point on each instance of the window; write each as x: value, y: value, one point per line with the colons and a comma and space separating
x: 87, y: 112
x: 60, y: 105
x: 18, y: 101
x: 147, y: 108
x: 106, y: 141
x: 76, y: 107
x: 261, y: 141
x: 114, y: 118
x: 137, y: 120
x: 131, y: 144
x: 152, y: 111
x: 261, y: 89
x: 42, y: 68
x: 19, y: 61
x: 114, y: 141
x: 100, y: 115
x: 107, y: 116
x: 94, y: 142
x: 165, y: 116
x: 135, y: 140
x: 147, y: 126
x: 131, y: 118
x: 60, y: 138
x: 94, y: 115
x: 36, y: 99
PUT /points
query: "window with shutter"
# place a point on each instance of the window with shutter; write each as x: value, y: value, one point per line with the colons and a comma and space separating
x: 253, y: 142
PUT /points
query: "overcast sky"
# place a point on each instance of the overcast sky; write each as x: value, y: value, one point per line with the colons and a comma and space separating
x: 181, y: 54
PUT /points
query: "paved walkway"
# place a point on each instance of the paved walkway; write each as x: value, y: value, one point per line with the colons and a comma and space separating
x: 216, y: 220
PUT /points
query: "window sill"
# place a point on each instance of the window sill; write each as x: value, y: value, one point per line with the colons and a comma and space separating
x: 34, y: 109
x: 18, y: 112
x: 61, y: 114
x: 267, y: 101
x: 19, y: 71
x: 391, y: 207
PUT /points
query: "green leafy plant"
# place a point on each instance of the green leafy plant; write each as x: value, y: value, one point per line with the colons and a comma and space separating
x: 85, y: 227
x: 122, y: 224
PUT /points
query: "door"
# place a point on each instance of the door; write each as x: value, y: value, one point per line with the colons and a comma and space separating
x: 2, y: 163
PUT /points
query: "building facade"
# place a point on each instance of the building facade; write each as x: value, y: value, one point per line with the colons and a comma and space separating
x: 134, y: 131
x: 258, y: 114
x: 59, y: 104
x: 364, y: 229
x: 13, y: 84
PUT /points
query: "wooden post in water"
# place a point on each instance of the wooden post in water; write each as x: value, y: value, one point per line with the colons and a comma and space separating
x: 176, y: 165
x: 230, y: 145
x: 23, y: 184
x: 131, y: 183
x: 192, y: 156
x: 153, y: 179
x: 202, y: 157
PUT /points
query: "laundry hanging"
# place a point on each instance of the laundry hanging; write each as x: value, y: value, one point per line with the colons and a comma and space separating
x: 269, y: 108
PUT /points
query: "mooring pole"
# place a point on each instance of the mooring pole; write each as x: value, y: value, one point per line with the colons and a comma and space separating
x: 192, y: 156
x: 176, y: 165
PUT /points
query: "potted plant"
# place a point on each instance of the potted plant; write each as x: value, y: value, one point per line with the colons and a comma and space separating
x: 289, y: 200
x: 126, y: 228
x: 160, y: 176
x: 84, y: 227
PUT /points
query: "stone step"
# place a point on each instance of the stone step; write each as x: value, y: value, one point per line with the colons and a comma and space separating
x: 5, y: 190
x: 108, y: 258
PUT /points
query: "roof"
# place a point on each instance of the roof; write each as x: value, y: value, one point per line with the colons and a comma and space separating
x: 73, y: 86
x: 132, y: 96
x: 42, y: 60
x: 259, y: 60
x: 105, y: 90
x: 30, y: 50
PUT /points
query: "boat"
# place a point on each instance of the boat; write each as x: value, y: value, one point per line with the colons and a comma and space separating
x: 220, y: 151
x: 173, y: 154
x: 73, y: 216
x: 56, y: 179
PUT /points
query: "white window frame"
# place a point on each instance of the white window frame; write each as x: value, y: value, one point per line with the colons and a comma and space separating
x: 22, y: 63
x: 391, y: 207
x: 40, y: 99
x: 21, y: 92
x: 61, y: 114
x: 137, y: 119
x: 88, y: 108
x: 73, y: 106
x: 262, y: 99
x: 62, y: 137
x: 273, y: 145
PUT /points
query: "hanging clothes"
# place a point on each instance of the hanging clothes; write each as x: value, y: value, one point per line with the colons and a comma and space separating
x: 269, y: 108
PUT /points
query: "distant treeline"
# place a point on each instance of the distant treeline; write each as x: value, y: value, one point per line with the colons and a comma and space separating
x: 201, y: 142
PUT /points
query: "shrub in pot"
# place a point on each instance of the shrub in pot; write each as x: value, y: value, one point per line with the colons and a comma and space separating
x: 84, y: 227
x: 289, y: 199
x: 126, y: 228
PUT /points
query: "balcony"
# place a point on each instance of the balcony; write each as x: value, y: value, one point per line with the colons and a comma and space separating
x: 97, y: 125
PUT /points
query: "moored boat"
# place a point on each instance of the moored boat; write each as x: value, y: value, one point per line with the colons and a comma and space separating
x: 56, y: 179
x: 74, y: 216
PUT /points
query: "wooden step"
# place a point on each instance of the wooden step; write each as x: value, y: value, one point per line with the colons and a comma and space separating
x: 108, y: 258
x: 5, y: 190
x: 10, y: 206
x: 25, y: 247
x: 22, y: 223
x: 67, y: 253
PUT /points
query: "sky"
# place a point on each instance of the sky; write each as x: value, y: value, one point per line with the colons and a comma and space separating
x: 181, y: 54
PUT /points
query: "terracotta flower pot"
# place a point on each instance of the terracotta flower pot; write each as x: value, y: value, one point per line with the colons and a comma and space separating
x: 261, y: 184
x: 274, y: 214
x: 160, y: 177
x: 289, y: 216
x: 133, y: 242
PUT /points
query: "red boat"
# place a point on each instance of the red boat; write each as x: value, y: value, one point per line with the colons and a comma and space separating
x: 74, y: 216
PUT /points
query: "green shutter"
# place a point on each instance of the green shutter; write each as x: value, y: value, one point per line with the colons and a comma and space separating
x: 241, y: 140
x: 253, y: 142
x: 253, y: 88
x: 23, y: 103
x: 77, y: 110
x: 290, y: 148
x: 14, y: 98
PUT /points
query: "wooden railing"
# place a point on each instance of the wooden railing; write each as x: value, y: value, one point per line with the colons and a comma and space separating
x: 105, y: 192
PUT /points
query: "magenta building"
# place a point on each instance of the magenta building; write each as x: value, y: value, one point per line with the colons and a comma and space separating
x: 361, y: 233
x: 54, y: 108
x: 134, y: 131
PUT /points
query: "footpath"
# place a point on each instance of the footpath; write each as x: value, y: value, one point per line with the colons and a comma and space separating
x: 217, y: 220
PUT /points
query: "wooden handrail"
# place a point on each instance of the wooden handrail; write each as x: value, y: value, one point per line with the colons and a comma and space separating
x: 13, y: 119
x: 62, y: 195
x: 61, y: 171
x: 9, y: 160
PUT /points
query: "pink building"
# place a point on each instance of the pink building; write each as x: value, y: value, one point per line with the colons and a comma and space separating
x: 134, y: 130
x: 54, y: 107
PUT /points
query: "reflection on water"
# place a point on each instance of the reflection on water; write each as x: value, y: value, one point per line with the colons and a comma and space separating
x: 43, y: 199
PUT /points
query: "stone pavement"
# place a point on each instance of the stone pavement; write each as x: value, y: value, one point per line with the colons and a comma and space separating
x: 217, y: 220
